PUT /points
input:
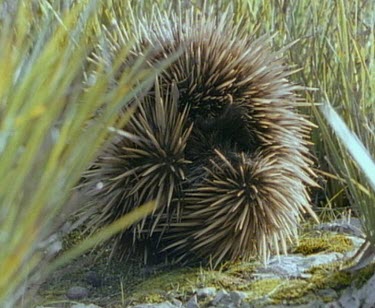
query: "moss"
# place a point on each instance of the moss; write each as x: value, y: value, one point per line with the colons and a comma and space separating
x: 155, y: 284
x: 182, y: 280
x: 363, y: 275
x: 294, y: 291
x: 152, y: 298
x: 263, y: 287
x: 330, y: 276
x: 325, y: 242
x: 240, y: 269
x: 181, y: 283
x: 334, y: 280
x: 334, y: 277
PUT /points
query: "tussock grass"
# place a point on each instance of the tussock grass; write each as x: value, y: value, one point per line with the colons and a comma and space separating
x: 50, y: 129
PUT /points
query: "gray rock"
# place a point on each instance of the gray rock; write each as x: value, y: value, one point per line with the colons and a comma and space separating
x: 357, y: 242
x: 161, y: 305
x: 313, y: 304
x: 192, y: 303
x: 357, y: 298
x: 349, y: 298
x: 222, y: 297
x: 341, y: 227
x: 321, y: 259
x: 368, y: 294
x: 85, y: 306
x: 295, y: 266
x: 177, y: 303
x: 76, y: 293
x: 327, y: 294
x: 205, y: 292
x: 237, y: 297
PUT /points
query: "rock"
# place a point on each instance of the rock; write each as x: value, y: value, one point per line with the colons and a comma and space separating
x: 368, y: 293
x: 349, y: 298
x: 76, y: 293
x: 294, y: 266
x: 363, y: 297
x: 357, y: 242
x: 340, y: 227
x: 177, y: 303
x: 222, y: 297
x: 161, y: 305
x: 237, y: 297
x: 313, y: 304
x: 85, y: 306
x: 327, y: 294
x: 205, y: 292
x: 193, y: 302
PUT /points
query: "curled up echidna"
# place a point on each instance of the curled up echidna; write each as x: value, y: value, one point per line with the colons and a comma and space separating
x: 216, y: 141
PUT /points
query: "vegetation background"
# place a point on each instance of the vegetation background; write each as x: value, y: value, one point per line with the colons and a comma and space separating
x: 50, y: 93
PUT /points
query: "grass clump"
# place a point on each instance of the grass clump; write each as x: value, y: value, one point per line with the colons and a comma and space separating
x: 48, y: 132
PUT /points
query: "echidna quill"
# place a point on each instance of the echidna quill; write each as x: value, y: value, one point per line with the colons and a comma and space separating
x: 217, y: 141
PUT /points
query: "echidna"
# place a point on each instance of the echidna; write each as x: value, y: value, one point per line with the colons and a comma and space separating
x: 146, y: 163
x: 217, y: 141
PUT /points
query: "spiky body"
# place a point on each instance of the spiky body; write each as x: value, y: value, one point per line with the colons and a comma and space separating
x: 217, y: 142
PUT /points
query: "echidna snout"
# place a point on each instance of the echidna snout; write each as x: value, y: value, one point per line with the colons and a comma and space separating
x: 229, y: 129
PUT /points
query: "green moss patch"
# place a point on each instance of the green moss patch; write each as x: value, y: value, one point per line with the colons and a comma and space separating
x: 325, y: 242
x: 296, y: 291
x: 133, y: 282
x: 334, y: 277
x: 262, y: 287
x: 181, y: 283
x: 329, y: 276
